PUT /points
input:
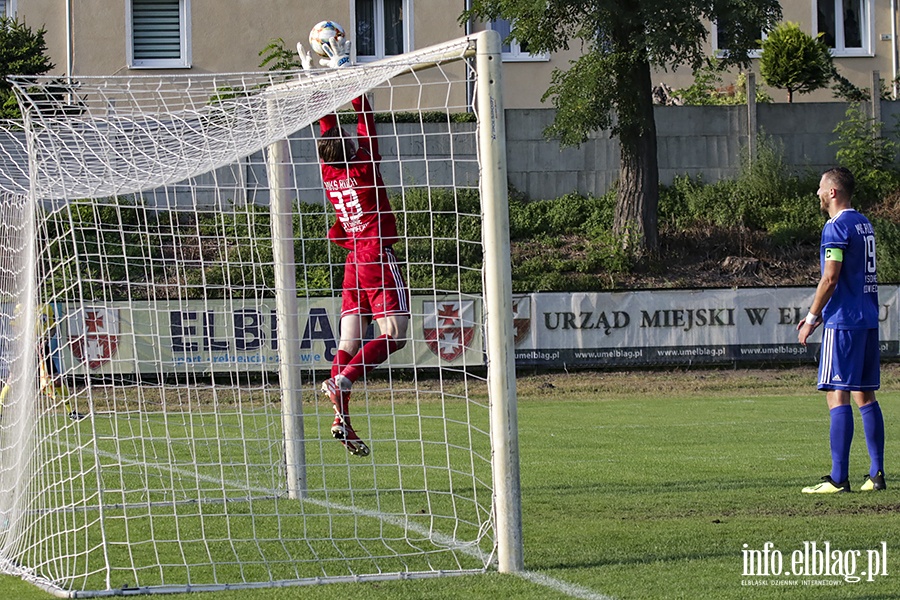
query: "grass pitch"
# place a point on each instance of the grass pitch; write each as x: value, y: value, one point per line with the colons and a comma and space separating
x: 661, y: 485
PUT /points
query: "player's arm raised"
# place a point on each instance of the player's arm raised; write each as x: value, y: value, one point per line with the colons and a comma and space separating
x: 337, y: 50
x: 365, y: 126
x: 327, y: 121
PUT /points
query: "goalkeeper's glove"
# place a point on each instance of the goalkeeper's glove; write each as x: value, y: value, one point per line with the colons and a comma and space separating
x: 305, y: 58
x: 338, y: 51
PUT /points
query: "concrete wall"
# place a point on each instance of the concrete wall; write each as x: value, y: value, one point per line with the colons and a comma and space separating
x: 700, y: 141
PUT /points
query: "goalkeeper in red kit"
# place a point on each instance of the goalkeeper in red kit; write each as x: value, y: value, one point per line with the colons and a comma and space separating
x: 373, y: 286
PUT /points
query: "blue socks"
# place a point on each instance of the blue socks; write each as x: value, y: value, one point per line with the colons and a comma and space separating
x: 841, y: 436
x: 873, y: 425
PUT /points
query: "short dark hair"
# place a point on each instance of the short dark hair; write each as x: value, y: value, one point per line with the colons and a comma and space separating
x: 842, y: 178
x: 335, y: 147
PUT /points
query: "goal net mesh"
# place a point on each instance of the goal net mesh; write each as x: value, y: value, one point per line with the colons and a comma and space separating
x: 142, y: 433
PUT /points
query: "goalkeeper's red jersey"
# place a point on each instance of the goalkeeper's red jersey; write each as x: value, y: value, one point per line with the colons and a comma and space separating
x: 365, y: 220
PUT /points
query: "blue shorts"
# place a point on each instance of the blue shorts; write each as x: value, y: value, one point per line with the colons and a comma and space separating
x: 850, y: 359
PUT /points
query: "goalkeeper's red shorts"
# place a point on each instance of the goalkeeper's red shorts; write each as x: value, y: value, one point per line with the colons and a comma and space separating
x: 374, y: 286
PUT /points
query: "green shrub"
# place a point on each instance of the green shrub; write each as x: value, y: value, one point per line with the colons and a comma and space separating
x: 765, y: 196
x: 795, y: 61
x: 22, y: 52
x: 766, y: 189
x: 564, y: 244
x: 321, y: 270
x: 117, y: 242
x: 568, y: 214
x: 690, y: 202
x: 148, y: 254
x: 709, y: 89
x: 582, y: 226
x: 869, y: 155
x: 794, y: 221
x: 440, y: 238
x: 887, y: 236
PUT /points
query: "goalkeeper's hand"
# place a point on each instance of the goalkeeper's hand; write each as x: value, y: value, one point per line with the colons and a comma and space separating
x: 305, y: 58
x: 338, y: 51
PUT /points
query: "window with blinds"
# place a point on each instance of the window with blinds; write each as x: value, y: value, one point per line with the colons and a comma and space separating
x: 159, y: 33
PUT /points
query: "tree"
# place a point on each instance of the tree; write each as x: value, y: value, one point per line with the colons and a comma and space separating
x: 609, y: 85
x: 22, y: 52
x: 795, y: 61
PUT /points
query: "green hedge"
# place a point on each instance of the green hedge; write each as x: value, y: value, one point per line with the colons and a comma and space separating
x: 118, y: 250
x: 125, y: 251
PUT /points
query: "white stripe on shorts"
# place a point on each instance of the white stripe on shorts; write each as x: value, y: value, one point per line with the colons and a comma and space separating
x: 825, y: 356
x: 398, y: 280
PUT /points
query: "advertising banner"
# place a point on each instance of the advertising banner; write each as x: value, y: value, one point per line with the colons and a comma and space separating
x: 674, y: 327
x: 552, y: 330
x: 241, y: 335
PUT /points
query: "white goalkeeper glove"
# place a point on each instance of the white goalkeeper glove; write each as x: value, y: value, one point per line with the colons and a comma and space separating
x: 305, y: 58
x: 338, y: 51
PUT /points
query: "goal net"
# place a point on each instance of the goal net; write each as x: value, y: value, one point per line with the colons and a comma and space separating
x: 169, y: 310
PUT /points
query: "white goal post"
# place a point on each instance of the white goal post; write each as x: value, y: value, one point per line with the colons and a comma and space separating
x: 169, y: 307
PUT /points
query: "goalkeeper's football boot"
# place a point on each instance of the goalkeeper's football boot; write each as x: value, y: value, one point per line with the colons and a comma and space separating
x: 60, y: 392
x: 875, y: 483
x: 828, y: 486
x: 338, y: 390
x: 77, y: 416
x: 343, y: 431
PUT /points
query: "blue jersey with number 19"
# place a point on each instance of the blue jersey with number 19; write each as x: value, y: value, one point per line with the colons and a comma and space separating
x: 854, y: 304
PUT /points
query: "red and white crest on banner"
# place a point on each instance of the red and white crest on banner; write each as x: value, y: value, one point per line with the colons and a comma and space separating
x: 521, y: 308
x: 94, y: 335
x: 449, y: 327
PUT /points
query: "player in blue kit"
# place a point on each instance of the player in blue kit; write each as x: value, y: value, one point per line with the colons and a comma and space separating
x: 846, y: 304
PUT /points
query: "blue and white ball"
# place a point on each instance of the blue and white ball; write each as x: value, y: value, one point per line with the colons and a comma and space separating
x: 322, y: 33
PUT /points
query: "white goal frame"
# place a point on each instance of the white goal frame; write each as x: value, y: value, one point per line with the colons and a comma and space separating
x: 25, y: 187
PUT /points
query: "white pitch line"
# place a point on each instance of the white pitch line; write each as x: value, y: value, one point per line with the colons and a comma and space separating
x: 569, y: 589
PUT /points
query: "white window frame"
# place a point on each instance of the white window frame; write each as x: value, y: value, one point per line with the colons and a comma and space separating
x: 406, y: 7
x: 867, y: 28
x: 10, y: 9
x: 720, y: 52
x: 184, y: 21
x: 515, y: 52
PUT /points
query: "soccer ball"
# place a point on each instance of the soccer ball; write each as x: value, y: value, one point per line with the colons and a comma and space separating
x: 323, y: 32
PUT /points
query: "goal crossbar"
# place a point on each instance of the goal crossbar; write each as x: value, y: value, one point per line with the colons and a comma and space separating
x: 124, y: 115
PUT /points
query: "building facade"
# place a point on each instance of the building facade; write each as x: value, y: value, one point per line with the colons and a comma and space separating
x: 119, y: 37
x: 861, y: 33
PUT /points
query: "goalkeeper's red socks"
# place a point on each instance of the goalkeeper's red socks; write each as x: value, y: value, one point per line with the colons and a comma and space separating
x: 341, y: 360
x: 372, y: 354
